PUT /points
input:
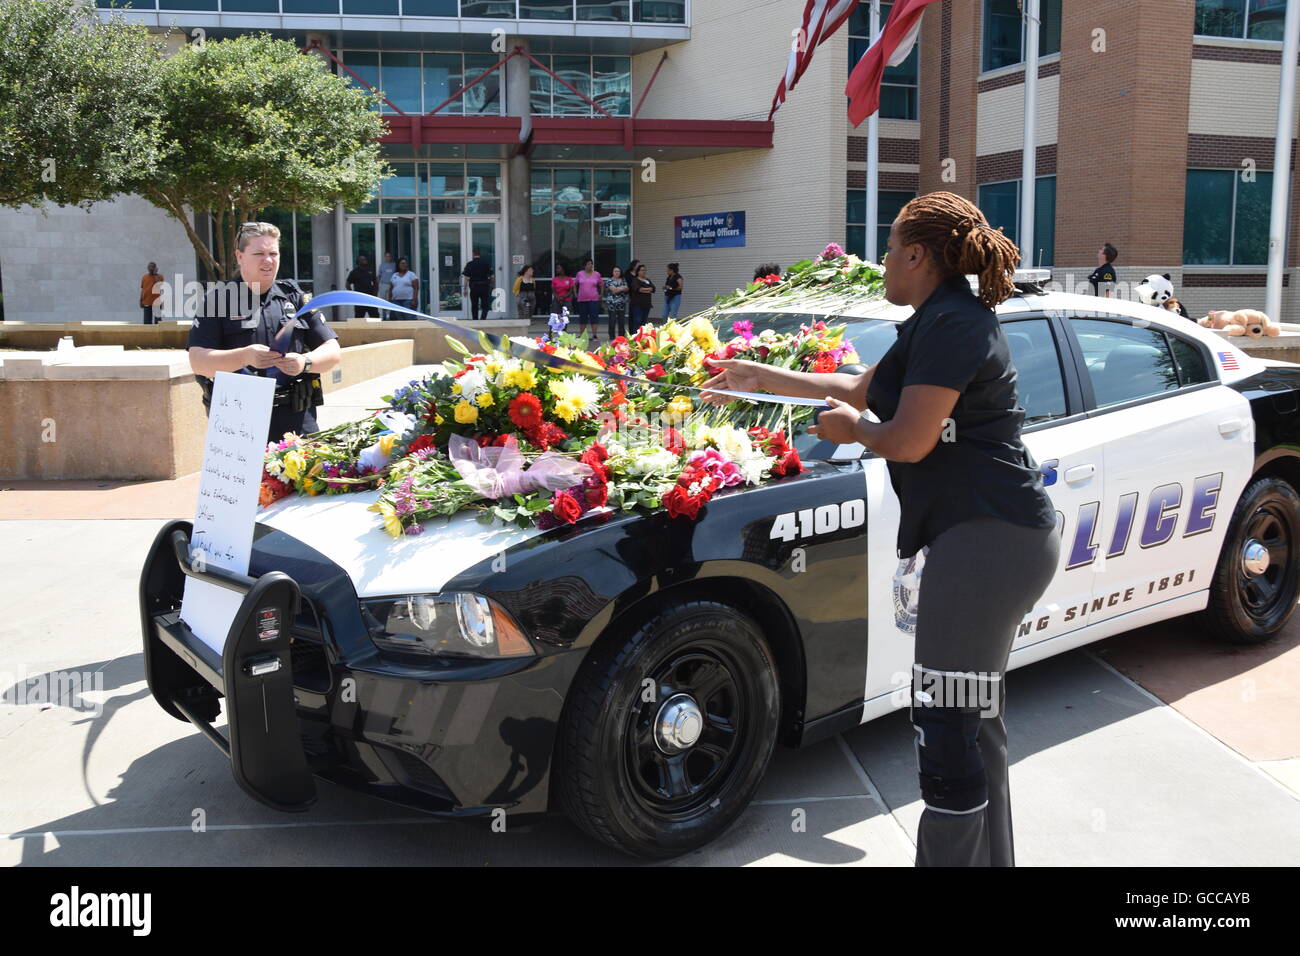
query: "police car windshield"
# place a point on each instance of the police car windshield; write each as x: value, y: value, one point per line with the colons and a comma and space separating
x: 871, y: 338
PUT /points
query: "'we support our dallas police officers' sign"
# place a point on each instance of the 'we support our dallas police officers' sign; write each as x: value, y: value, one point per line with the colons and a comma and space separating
x: 711, y: 231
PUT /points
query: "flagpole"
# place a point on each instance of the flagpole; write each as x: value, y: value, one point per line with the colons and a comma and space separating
x: 1029, y: 161
x: 1277, y: 220
x: 873, y: 157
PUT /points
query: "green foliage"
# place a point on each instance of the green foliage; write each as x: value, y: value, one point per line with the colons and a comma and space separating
x: 78, y: 122
x: 251, y: 123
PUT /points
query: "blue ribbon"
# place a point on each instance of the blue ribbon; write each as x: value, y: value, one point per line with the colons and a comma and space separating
x: 501, y: 343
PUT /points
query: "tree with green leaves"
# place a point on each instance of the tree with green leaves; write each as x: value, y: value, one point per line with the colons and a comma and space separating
x: 78, y: 118
x: 250, y: 123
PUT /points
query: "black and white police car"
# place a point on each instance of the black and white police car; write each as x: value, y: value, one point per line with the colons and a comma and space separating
x: 637, y: 672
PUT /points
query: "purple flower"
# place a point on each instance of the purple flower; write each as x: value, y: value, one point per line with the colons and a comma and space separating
x: 744, y: 329
x: 415, y: 529
x: 833, y: 250
x: 558, y: 322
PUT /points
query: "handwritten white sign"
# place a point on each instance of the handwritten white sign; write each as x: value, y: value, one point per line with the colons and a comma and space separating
x: 223, y: 521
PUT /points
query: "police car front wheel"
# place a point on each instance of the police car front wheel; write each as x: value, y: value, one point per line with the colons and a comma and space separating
x: 668, y: 732
x: 1257, y: 580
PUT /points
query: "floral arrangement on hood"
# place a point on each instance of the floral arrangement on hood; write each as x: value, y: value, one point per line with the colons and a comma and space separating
x: 524, y: 443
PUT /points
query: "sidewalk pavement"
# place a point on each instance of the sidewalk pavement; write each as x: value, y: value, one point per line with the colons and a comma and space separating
x: 1155, y: 747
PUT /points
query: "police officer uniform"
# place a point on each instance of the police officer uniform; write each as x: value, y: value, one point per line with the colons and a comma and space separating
x: 215, y: 328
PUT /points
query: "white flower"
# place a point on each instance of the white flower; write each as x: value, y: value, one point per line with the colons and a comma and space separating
x: 472, y: 383
x: 579, y: 391
x: 274, y: 468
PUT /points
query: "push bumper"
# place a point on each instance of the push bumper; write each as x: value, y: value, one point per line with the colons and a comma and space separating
x: 253, y: 672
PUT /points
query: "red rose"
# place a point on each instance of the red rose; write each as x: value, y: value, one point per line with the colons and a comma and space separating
x: 655, y: 372
x: 525, y: 410
x: 788, y: 464
x: 591, y: 461
x: 599, y: 451
x: 566, y: 507
x: 762, y: 350
x: 421, y: 442
x: 681, y: 503
x: 824, y: 362
x: 597, y: 496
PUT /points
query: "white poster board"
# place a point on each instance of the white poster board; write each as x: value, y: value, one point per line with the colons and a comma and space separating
x: 228, y: 486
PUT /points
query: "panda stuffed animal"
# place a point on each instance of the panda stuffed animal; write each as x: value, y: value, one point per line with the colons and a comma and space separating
x: 1157, y: 290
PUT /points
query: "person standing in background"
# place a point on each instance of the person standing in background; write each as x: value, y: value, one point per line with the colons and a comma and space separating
x: 406, y: 288
x: 1103, y: 277
x: 386, y: 270
x: 362, y: 279
x: 478, y: 276
x: 525, y: 294
x: 588, y: 283
x: 639, y: 291
x: 673, y: 286
x: 561, y: 290
x: 149, y: 294
x: 616, y: 303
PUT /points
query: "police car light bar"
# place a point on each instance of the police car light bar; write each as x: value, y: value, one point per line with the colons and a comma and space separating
x: 1025, y: 280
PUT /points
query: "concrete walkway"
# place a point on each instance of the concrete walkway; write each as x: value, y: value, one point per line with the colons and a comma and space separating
x: 1156, y: 747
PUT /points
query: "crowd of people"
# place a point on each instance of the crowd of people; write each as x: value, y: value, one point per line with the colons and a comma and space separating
x: 625, y: 296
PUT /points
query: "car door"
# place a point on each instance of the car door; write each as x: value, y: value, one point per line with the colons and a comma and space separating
x: 1068, y: 448
x: 1179, y: 451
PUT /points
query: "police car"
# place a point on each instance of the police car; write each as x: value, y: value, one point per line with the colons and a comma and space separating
x: 636, y: 673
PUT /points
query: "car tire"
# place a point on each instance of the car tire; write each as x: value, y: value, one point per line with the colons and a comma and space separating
x: 627, y: 771
x: 1248, y: 605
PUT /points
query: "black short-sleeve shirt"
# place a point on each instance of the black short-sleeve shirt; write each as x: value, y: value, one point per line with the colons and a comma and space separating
x: 221, y: 324
x: 1103, y: 273
x: 953, y: 340
x: 477, y: 271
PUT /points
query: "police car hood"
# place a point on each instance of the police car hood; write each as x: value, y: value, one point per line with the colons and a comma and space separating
x: 341, y: 528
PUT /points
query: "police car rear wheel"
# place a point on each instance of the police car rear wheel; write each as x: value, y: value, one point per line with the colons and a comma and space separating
x: 667, y: 734
x: 1257, y: 581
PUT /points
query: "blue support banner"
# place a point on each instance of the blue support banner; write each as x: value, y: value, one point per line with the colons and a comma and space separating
x: 715, y: 230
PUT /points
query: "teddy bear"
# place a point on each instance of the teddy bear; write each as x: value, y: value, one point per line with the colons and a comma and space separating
x: 1249, y: 322
x: 1158, y: 290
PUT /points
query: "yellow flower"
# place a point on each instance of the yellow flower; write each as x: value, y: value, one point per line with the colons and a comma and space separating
x: 392, y: 523
x: 681, y: 404
x: 584, y: 359
x: 521, y: 378
x: 455, y: 388
x: 386, y: 444
x: 702, y: 332
x: 491, y: 368
x: 848, y: 358
x: 466, y: 413
x: 293, y: 465
x: 695, y: 359
x: 568, y: 409
x: 484, y: 399
x: 438, y: 419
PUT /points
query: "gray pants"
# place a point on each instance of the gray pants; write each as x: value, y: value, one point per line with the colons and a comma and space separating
x: 980, y: 579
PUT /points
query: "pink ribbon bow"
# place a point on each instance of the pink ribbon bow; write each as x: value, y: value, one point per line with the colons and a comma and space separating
x: 499, y: 471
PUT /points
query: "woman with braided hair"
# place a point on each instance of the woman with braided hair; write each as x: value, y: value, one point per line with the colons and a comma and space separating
x: 971, y: 498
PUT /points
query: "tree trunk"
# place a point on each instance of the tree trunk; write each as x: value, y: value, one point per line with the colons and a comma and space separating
x: 164, y: 202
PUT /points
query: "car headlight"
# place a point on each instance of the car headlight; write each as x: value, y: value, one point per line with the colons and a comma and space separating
x: 460, y: 624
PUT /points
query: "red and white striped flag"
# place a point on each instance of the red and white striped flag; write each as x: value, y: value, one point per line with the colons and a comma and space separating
x: 895, y: 43
x: 821, y: 18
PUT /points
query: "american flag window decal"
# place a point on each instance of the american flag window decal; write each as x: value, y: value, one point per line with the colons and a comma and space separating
x: 1228, y: 361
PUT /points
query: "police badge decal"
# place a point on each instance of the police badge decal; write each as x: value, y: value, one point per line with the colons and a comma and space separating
x: 907, y: 587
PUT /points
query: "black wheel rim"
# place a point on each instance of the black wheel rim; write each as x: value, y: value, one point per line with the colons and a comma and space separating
x: 681, y: 785
x: 1264, y: 595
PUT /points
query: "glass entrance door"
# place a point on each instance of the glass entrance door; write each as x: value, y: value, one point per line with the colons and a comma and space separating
x: 374, y: 237
x: 455, y: 240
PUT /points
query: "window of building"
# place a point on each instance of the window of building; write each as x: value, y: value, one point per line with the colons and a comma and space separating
x: 898, y: 87
x: 605, y: 79
x: 418, y: 82
x: 888, y: 205
x: 1000, y: 203
x: 1251, y: 19
x: 1004, y: 32
x: 438, y: 188
x: 612, y: 11
x: 1225, y: 220
x: 578, y: 212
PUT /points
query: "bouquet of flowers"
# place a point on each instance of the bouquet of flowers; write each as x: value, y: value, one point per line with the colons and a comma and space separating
x: 525, y: 443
